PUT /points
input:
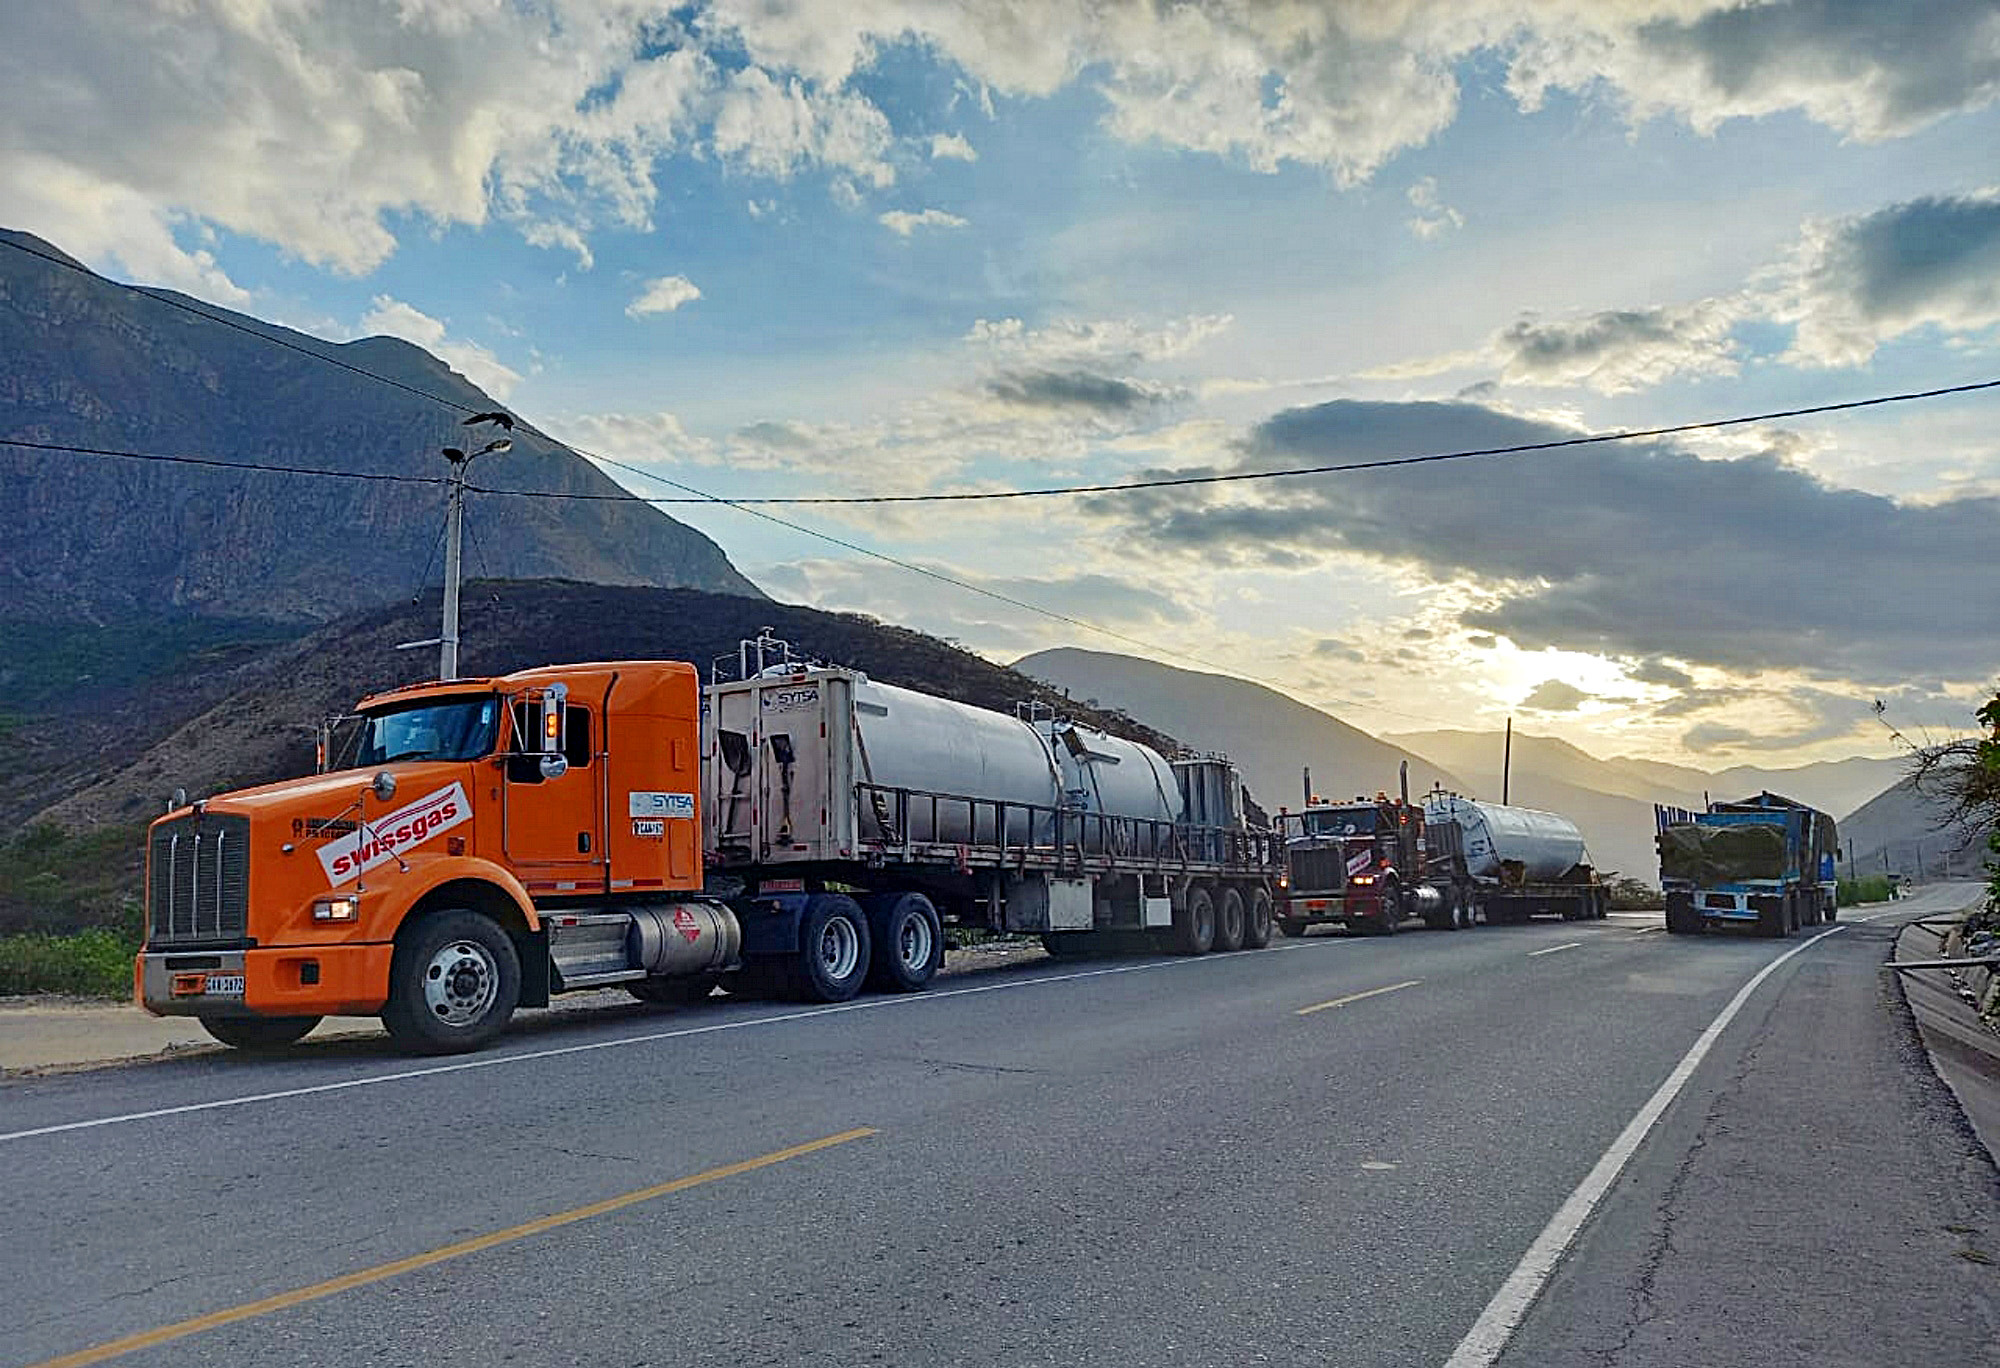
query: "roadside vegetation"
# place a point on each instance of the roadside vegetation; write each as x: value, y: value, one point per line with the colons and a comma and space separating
x: 1635, y: 895
x: 70, y: 916
x: 1869, y: 888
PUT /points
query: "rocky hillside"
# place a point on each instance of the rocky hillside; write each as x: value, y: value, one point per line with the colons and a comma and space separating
x: 86, y: 362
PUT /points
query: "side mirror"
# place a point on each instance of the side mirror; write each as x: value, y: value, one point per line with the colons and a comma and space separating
x: 383, y: 786
x: 553, y: 766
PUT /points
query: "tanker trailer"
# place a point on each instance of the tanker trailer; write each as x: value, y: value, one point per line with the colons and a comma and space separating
x: 1513, y: 862
x: 870, y: 816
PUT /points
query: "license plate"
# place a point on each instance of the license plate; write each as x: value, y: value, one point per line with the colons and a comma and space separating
x: 208, y: 985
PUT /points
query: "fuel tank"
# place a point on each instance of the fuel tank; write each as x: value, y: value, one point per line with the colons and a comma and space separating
x: 1499, y: 840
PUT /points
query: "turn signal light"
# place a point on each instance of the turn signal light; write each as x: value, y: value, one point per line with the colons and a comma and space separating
x: 344, y: 908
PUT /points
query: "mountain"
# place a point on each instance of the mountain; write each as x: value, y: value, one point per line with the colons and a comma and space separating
x: 1270, y: 736
x: 86, y: 362
x: 1904, y: 832
x: 1835, y: 786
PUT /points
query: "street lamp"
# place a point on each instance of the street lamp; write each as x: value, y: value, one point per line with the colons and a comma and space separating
x: 461, y: 462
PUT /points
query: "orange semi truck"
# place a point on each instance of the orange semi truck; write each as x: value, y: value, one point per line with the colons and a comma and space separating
x: 496, y: 841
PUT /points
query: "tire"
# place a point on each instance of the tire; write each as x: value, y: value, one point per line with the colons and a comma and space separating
x: 1194, y: 923
x: 835, y: 950
x: 1832, y: 910
x: 1292, y: 930
x: 1229, y: 921
x: 672, y: 992
x: 1392, y: 909
x: 1461, y: 914
x: 1682, y: 919
x: 259, y: 1034
x: 453, y: 983
x: 908, y: 942
x: 1257, y: 920
x: 1776, y: 923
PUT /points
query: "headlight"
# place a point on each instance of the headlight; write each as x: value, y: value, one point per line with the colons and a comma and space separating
x: 344, y: 907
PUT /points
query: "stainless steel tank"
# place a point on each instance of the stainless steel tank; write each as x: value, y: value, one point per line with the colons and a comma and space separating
x: 1543, y: 845
x: 1106, y: 776
x: 911, y: 740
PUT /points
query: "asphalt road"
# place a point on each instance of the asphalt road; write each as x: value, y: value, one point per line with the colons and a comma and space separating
x: 1335, y: 1151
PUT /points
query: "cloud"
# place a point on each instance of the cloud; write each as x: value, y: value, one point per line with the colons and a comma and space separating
x: 663, y: 295
x: 952, y: 147
x: 1553, y: 695
x: 1433, y: 216
x: 394, y: 318
x: 1867, y: 69
x: 903, y: 223
x: 1074, y: 390
x: 328, y: 129
x: 1110, y: 342
x: 1931, y: 262
x: 1633, y: 550
x: 1653, y: 670
x: 1847, y: 287
x: 1616, y: 351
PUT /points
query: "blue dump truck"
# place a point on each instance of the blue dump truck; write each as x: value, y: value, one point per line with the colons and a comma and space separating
x: 1766, y: 862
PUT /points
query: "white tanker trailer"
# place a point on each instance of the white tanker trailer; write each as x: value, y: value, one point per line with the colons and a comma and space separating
x: 829, y: 795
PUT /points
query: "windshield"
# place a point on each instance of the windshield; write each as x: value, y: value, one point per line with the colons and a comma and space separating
x: 1340, y: 822
x: 458, y: 729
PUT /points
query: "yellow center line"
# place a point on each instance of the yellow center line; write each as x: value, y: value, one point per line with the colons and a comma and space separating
x: 1355, y: 997
x: 347, y: 1282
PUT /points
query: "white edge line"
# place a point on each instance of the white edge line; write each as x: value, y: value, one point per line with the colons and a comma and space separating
x: 652, y: 1037
x: 1567, y: 945
x: 1489, y: 1334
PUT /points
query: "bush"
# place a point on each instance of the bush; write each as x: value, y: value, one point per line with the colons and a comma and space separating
x: 1635, y: 895
x: 57, y: 881
x: 1868, y: 888
x: 89, y: 964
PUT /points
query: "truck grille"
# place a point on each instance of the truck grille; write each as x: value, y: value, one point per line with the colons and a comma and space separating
x: 1318, y: 871
x: 198, y: 881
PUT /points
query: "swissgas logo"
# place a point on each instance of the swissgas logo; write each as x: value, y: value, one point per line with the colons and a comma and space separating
x: 378, y: 840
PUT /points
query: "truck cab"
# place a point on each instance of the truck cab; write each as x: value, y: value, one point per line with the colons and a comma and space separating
x: 474, y: 827
x: 1350, y: 863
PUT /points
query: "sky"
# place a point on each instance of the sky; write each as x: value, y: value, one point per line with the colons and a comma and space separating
x: 781, y: 248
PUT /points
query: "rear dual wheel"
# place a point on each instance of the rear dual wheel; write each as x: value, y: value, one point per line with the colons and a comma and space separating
x: 1257, y: 920
x: 1194, y: 923
x: 1230, y: 916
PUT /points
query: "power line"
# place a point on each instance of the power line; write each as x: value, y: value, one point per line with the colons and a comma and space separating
x: 1427, y: 458
x: 161, y: 458
x: 750, y: 506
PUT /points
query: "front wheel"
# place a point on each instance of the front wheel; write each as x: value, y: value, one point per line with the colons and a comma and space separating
x: 259, y: 1033
x: 453, y: 983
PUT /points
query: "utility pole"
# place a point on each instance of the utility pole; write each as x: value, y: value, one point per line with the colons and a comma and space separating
x: 1507, y: 762
x: 454, y: 529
